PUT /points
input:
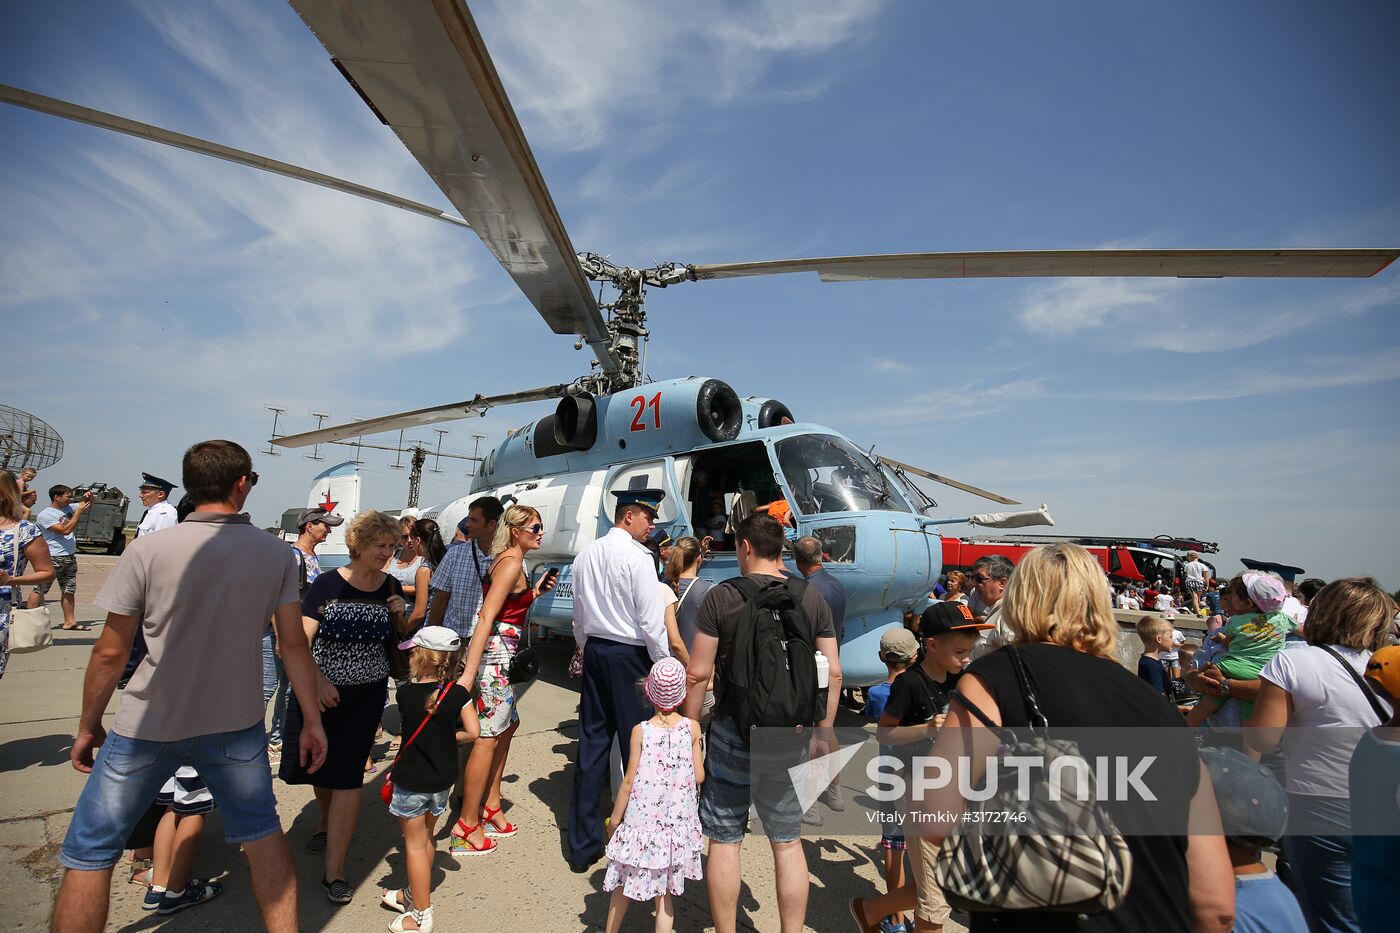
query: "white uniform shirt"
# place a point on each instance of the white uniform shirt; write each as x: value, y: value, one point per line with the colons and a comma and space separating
x: 616, y: 595
x: 159, y: 516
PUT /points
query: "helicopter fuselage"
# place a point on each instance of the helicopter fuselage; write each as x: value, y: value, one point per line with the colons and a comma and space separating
x: 883, y: 551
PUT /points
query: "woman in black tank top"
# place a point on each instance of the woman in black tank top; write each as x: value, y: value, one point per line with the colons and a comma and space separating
x: 1059, y: 613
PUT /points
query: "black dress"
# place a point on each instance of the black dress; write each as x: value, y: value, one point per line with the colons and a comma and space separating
x: 1075, y: 689
x: 349, y: 649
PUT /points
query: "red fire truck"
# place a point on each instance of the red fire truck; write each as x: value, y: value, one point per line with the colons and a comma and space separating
x: 1124, y: 559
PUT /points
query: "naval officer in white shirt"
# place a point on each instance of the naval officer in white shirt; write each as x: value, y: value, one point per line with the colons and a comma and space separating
x: 620, y: 622
x: 159, y: 514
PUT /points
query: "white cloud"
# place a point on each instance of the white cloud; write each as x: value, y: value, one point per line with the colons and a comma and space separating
x: 577, y: 70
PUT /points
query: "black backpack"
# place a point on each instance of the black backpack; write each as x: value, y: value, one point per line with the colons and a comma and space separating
x: 770, y: 678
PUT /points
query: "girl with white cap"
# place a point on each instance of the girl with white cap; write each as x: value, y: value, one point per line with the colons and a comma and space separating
x: 654, y: 838
x: 433, y: 708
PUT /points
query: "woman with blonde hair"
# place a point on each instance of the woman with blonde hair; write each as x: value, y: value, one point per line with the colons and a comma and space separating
x: 350, y: 616
x: 1317, y: 691
x: 495, y: 639
x: 1062, y: 630
x: 21, y: 543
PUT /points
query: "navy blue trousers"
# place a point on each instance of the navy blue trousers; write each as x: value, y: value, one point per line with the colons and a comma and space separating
x: 610, y: 704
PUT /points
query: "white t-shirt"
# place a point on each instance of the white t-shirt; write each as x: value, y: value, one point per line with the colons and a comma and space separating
x: 1163, y: 602
x: 1121, y: 601
x: 1172, y: 654
x: 1195, y: 571
x: 1323, y: 695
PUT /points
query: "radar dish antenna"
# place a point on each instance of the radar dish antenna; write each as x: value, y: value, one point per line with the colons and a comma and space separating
x: 27, y: 441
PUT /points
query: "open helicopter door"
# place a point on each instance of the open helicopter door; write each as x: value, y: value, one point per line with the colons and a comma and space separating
x: 660, y: 473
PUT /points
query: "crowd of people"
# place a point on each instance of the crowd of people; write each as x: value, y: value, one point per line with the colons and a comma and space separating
x: 695, y: 698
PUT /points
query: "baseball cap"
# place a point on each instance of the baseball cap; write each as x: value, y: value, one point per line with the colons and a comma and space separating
x: 948, y: 616
x: 898, y: 644
x: 433, y: 637
x: 308, y: 516
x: 1253, y: 804
x: 1384, y: 670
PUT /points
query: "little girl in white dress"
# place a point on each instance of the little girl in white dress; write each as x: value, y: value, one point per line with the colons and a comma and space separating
x: 654, y: 840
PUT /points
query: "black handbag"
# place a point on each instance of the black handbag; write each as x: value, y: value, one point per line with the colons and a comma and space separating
x: 525, y: 665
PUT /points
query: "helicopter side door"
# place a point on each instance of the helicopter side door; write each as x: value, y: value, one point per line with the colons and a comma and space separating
x: 658, y: 473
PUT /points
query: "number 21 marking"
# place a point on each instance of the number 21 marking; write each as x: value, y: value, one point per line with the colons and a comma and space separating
x: 641, y: 403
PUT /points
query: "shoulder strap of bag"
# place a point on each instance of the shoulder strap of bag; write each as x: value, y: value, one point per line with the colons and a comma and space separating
x: 746, y: 587
x: 681, y: 602
x: 1006, y: 738
x: 1360, y: 682
x: 1033, y: 713
x: 404, y: 747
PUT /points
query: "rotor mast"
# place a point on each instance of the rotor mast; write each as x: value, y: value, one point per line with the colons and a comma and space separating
x: 626, y: 324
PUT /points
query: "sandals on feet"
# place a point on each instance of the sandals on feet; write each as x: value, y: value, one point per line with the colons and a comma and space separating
x: 462, y: 845
x: 422, y: 919
x: 488, y: 817
x: 338, y: 890
x: 399, y: 901
x: 317, y: 843
x: 141, y: 872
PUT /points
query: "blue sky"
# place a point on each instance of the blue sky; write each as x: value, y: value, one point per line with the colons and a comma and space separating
x: 167, y: 297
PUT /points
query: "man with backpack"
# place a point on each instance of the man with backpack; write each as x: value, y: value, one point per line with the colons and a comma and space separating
x: 760, y: 635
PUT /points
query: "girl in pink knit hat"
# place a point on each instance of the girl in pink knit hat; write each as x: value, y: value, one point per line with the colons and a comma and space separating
x: 654, y: 839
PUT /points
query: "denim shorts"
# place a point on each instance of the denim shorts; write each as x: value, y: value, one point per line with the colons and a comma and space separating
x: 128, y: 773
x: 406, y: 804
x: 730, y: 789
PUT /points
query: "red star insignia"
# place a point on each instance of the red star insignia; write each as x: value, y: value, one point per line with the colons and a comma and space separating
x: 327, y: 504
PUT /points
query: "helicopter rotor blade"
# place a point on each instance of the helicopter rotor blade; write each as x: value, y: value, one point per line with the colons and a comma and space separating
x: 937, y: 478
x: 472, y: 408
x: 1177, y: 263
x: 110, y: 121
x: 425, y: 72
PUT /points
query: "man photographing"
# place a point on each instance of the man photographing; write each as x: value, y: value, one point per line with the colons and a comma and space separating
x: 58, y: 523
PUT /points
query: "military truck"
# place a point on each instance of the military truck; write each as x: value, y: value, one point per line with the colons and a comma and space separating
x: 103, y: 525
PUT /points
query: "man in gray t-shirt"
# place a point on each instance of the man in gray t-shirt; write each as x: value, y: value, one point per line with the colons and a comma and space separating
x: 202, y: 593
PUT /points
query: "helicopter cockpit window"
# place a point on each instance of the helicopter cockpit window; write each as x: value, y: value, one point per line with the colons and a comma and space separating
x: 829, y: 474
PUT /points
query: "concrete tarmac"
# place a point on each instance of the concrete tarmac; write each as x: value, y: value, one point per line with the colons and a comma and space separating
x: 525, y: 885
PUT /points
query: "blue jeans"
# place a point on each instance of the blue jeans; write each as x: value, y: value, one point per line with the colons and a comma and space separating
x: 274, y: 688
x: 1321, y: 865
x: 129, y: 773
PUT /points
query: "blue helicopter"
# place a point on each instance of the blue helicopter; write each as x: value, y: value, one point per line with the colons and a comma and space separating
x: 423, y: 70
